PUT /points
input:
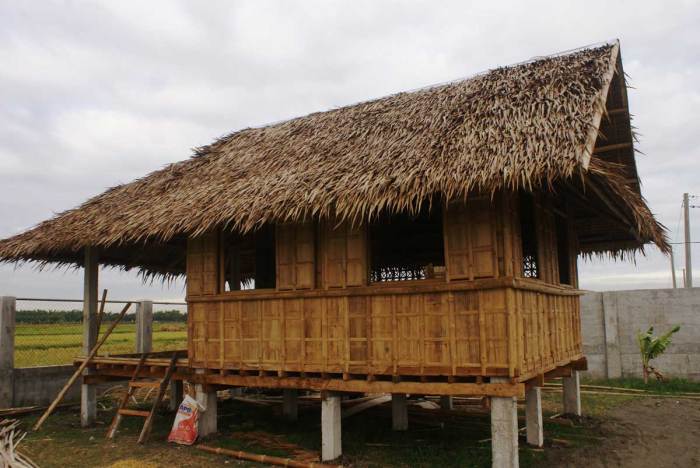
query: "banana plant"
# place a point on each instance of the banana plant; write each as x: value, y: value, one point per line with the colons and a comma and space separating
x: 651, y: 347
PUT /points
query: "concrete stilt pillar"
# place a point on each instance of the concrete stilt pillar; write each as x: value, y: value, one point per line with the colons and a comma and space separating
x: 504, y: 430
x: 7, y: 351
x: 446, y: 402
x: 572, y: 394
x: 399, y: 412
x: 533, y: 416
x: 331, y: 441
x: 176, y: 394
x: 290, y: 404
x: 207, y: 399
x: 144, y: 327
x: 88, y: 396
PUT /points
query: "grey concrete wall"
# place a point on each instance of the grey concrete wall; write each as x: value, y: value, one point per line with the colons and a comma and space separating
x: 610, y: 321
x: 40, y: 385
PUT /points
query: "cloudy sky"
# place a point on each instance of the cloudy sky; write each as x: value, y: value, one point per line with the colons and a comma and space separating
x: 94, y: 94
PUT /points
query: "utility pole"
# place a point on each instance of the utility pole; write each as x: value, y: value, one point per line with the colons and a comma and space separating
x: 688, y: 261
x: 673, y: 270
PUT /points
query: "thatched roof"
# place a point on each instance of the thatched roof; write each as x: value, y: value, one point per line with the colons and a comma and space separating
x: 527, y: 126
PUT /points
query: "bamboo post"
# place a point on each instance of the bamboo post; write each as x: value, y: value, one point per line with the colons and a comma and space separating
x: 101, y: 312
x: 82, y: 367
x: 269, y: 459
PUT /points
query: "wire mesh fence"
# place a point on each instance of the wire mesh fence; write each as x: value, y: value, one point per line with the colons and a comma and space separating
x: 51, y: 337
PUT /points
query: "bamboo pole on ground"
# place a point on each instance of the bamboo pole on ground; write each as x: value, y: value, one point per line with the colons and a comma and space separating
x: 269, y: 459
x: 80, y: 370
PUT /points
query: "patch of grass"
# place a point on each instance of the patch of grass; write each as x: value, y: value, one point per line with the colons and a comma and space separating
x: 671, y: 386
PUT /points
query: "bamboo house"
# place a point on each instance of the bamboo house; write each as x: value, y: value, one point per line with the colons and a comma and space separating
x: 421, y: 243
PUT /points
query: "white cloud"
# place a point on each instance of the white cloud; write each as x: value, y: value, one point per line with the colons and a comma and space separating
x: 98, y: 93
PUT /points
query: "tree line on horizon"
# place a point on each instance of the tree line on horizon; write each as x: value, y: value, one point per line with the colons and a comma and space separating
x: 76, y: 316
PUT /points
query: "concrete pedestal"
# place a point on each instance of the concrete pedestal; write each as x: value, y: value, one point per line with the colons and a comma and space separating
x: 399, y: 412
x: 290, y: 404
x: 504, y: 431
x: 533, y: 416
x: 572, y: 394
x: 176, y: 394
x: 207, y: 417
x: 331, y: 441
x: 446, y: 402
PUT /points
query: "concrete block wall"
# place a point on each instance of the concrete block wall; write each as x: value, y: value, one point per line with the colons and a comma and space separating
x: 610, y: 321
x: 38, y: 386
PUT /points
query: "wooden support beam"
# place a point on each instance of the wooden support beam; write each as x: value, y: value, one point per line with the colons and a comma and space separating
x: 612, y: 147
x: 377, y: 386
x: 599, y: 191
x: 88, y: 397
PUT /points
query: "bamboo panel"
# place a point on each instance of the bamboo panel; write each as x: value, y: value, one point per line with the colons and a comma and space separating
x: 551, y: 327
x: 449, y: 333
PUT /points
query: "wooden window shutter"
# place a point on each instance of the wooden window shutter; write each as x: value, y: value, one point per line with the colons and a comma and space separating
x: 210, y: 263
x: 547, y: 242
x: 295, y: 255
x: 456, y: 227
x: 345, y: 255
x: 470, y: 241
x: 203, y: 265
x: 356, y: 259
x: 483, y: 241
x: 194, y: 267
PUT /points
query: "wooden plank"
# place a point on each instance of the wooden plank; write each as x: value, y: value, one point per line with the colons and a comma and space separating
x: 376, y: 386
x: 221, y: 335
x: 513, y: 358
x: 452, y: 338
x: 588, y: 147
x: 132, y: 412
x: 613, y: 147
x: 482, y: 341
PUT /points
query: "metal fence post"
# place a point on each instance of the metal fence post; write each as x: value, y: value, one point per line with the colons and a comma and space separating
x: 7, y: 351
x: 144, y: 327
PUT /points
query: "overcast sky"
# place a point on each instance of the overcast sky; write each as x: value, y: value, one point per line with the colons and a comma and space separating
x: 94, y: 94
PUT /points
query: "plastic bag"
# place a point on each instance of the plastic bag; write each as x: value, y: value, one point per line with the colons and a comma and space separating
x: 186, y: 426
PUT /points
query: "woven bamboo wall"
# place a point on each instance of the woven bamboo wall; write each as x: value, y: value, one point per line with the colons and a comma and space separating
x: 550, y: 330
x: 325, y: 317
x: 452, y: 333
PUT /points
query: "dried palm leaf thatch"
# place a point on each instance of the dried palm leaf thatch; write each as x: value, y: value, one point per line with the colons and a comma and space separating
x: 10, y: 438
x: 518, y: 127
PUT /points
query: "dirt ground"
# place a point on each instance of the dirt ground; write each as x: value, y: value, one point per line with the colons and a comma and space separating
x: 641, y: 433
x: 620, y: 431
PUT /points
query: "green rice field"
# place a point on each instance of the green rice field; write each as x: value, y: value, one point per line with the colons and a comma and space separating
x: 53, y: 344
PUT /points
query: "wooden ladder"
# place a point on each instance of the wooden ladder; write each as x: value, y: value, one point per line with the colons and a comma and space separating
x: 135, y: 383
